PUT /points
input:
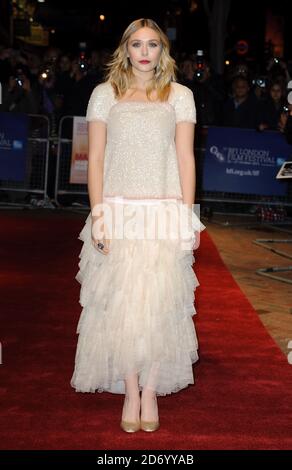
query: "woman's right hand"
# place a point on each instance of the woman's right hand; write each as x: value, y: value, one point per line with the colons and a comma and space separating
x: 98, y: 226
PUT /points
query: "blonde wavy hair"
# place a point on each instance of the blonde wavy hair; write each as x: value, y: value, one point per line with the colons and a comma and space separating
x: 119, y: 69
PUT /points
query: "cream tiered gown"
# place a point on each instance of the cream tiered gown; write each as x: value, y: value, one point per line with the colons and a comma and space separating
x: 138, y: 301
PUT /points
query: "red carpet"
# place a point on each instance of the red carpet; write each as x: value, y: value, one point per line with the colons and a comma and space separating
x: 242, y: 398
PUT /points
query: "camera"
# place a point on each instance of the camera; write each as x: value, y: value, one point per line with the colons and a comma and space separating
x: 260, y: 82
x: 199, y: 65
x: 19, y: 81
x: 19, y: 76
x: 82, y: 63
x: 285, y: 109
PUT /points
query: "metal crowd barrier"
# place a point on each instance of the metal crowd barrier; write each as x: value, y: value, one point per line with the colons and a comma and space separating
x: 15, y: 193
x: 65, y: 192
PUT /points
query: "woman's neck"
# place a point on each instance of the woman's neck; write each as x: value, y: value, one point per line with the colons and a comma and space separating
x: 140, y: 81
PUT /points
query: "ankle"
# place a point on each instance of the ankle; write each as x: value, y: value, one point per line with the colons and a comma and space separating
x: 149, y: 410
x: 133, y: 397
x: 131, y: 409
x: 149, y: 394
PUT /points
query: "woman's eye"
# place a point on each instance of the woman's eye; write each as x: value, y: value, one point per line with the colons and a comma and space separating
x: 137, y: 44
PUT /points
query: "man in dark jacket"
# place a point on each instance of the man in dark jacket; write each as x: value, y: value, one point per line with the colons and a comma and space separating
x: 19, y: 95
x: 241, y: 110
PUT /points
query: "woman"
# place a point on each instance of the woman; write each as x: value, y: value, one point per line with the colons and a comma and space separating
x: 136, y: 332
x: 271, y: 108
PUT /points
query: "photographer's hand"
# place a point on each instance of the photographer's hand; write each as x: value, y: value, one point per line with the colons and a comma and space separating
x: 26, y: 85
x: 11, y: 84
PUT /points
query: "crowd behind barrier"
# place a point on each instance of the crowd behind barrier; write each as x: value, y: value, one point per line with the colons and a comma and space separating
x: 55, y: 86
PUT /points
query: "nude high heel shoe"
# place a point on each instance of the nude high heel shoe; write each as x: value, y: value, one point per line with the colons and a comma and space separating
x: 149, y: 426
x: 130, y: 427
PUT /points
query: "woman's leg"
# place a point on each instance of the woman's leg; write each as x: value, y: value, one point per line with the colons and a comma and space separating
x: 131, y: 408
x: 149, y: 405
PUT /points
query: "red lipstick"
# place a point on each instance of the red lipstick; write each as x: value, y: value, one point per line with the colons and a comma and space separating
x: 144, y: 61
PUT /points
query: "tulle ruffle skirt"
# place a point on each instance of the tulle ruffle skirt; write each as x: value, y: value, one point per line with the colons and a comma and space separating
x: 137, y: 314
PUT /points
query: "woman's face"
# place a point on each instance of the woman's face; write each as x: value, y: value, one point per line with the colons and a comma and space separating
x: 276, y: 92
x: 144, y: 45
x: 240, y: 89
x: 65, y: 64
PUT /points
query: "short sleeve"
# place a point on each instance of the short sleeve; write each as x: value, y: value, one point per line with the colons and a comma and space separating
x: 185, y: 108
x: 99, y: 104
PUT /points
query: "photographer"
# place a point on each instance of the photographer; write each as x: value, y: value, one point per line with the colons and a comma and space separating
x: 241, y: 110
x: 82, y: 85
x: 277, y: 68
x: 272, y: 107
x: 259, y: 88
x: 187, y: 72
x: 208, y: 89
x: 51, y: 101
x: 18, y: 95
x: 285, y: 124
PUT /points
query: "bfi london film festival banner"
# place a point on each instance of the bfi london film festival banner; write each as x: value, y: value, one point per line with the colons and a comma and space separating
x: 79, y: 156
x: 245, y: 161
x: 13, y: 146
